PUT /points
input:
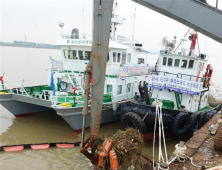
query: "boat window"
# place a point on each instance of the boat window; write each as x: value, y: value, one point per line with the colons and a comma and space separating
x: 118, y: 58
x: 128, y: 87
x: 123, y: 58
x: 109, y: 88
x: 119, y: 89
x: 177, y: 63
x: 65, y: 53
x: 74, y: 55
x: 140, y: 60
x: 184, y: 64
x: 164, y: 61
x: 69, y: 54
x: 128, y: 58
x: 191, y: 62
x: 170, y: 62
x: 114, y: 57
x: 107, y: 57
x: 87, y: 55
x: 80, y: 55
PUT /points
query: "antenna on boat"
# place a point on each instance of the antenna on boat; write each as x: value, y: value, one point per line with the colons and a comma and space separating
x: 84, y: 36
x: 134, y: 18
x: 61, y: 24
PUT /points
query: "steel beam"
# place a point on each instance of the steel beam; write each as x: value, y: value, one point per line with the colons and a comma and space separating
x: 192, y: 13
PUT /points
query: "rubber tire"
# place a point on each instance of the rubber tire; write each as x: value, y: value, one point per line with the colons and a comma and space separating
x: 218, y: 138
x: 205, y: 119
x: 176, y: 123
x: 194, y: 123
x: 134, y: 119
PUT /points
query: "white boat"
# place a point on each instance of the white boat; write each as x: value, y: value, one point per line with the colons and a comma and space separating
x: 64, y: 91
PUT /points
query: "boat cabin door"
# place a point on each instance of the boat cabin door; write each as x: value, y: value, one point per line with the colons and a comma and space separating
x: 134, y: 88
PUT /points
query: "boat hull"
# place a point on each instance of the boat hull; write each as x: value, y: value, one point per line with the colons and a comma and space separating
x: 19, y: 105
x: 73, y: 116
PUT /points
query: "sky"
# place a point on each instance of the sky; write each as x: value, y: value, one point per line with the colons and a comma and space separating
x: 38, y: 20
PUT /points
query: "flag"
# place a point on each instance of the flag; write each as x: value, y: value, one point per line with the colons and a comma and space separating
x: 52, y: 82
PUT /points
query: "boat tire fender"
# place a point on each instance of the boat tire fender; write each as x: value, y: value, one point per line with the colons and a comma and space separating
x: 132, y: 119
x: 181, y: 124
x: 194, y: 123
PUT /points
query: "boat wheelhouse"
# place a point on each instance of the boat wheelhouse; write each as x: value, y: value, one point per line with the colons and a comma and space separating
x: 180, y: 82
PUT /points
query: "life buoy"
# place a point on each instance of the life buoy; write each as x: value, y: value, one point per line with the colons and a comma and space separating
x: 63, y: 86
x: 207, y: 75
x: 133, y: 120
x: 181, y: 124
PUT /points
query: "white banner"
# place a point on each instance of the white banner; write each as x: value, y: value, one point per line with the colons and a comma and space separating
x: 133, y: 69
x: 176, y: 84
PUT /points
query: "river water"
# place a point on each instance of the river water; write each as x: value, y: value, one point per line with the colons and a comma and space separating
x: 31, y: 64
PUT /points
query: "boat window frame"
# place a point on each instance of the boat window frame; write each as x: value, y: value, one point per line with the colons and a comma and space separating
x: 171, y: 62
x: 164, y: 61
x: 86, y: 57
x: 107, y: 88
x: 114, y: 57
x: 118, y: 57
x: 121, y: 91
x: 75, y: 57
x: 81, y: 58
x: 64, y: 53
x: 123, y: 61
x: 189, y: 64
x: 128, y: 89
x: 178, y: 62
x: 129, y: 57
x: 183, y: 63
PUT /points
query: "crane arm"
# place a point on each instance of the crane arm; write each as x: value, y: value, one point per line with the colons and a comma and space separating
x: 96, y: 69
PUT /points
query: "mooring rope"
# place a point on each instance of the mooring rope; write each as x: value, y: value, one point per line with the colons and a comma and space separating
x: 161, y: 135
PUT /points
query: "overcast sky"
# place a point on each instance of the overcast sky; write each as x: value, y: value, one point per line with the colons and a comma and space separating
x: 39, y: 21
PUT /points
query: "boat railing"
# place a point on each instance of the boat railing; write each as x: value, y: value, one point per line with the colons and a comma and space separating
x: 118, y: 19
x: 17, y: 85
x: 81, y: 36
x: 184, y: 52
x: 66, y: 100
x: 178, y: 75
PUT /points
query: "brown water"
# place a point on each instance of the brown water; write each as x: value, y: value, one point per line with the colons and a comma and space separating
x: 48, y: 127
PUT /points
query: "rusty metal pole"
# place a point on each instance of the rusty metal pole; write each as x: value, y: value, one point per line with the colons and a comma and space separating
x: 101, y: 32
x: 96, y: 68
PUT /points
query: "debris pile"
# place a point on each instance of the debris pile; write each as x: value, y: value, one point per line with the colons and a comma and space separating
x: 128, y: 146
x: 121, y: 151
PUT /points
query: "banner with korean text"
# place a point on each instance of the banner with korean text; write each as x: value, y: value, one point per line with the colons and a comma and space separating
x: 175, y: 84
x: 133, y: 69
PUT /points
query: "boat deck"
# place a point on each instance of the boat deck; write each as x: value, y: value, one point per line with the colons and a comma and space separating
x: 44, y: 93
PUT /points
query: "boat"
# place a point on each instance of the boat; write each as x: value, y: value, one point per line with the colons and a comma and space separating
x: 64, y: 91
x: 177, y: 83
